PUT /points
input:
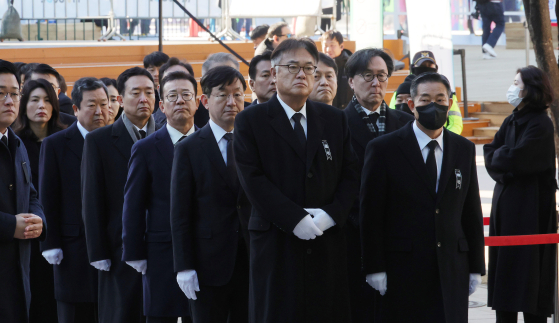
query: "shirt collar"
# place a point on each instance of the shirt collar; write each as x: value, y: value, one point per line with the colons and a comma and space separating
x: 290, y: 112
x: 82, y: 130
x: 145, y: 128
x: 4, y: 134
x: 217, y: 130
x: 177, y: 135
x: 423, y: 139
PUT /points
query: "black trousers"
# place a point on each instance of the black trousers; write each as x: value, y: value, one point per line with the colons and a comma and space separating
x: 77, y: 312
x: 41, y: 276
x: 512, y: 317
x: 228, y: 303
x: 154, y: 319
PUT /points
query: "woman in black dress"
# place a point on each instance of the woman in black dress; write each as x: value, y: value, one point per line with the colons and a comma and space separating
x: 38, y: 118
x: 521, y: 160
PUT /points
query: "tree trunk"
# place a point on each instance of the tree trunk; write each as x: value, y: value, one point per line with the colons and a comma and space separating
x: 539, y: 24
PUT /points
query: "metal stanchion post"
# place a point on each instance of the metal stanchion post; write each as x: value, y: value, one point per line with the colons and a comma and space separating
x: 160, y: 25
x: 527, y: 40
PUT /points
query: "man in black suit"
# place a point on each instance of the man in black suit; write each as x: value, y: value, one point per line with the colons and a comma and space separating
x: 368, y: 117
x: 46, y: 72
x: 207, y: 207
x: 75, y: 281
x: 146, y: 228
x: 261, y: 82
x: 420, y: 214
x: 104, y: 169
x: 21, y: 214
x: 299, y: 171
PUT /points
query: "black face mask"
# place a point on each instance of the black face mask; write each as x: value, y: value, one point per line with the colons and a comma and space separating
x: 404, y: 108
x: 432, y: 116
x: 424, y: 69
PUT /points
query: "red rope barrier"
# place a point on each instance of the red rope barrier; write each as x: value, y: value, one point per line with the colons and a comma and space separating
x: 523, y: 240
x: 486, y: 221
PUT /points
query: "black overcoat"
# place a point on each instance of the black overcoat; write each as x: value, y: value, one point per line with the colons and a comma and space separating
x: 75, y: 280
x: 427, y: 242
x: 294, y: 280
x: 521, y: 159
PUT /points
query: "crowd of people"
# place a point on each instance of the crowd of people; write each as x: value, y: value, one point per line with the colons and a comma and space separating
x: 141, y: 200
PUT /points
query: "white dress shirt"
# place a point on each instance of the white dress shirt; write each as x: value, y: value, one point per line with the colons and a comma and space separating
x: 145, y: 128
x: 290, y: 112
x: 4, y: 134
x: 369, y: 112
x: 82, y: 130
x: 221, y: 142
x: 177, y: 135
x: 423, y: 140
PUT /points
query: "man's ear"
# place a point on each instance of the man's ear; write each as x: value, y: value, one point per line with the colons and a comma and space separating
x: 342, y: 46
x: 411, y: 104
x: 119, y: 99
x: 204, y: 100
x: 251, y: 84
x: 350, y: 82
x: 450, y: 103
x: 58, y: 93
x: 275, y: 39
x: 75, y: 110
x: 161, y: 106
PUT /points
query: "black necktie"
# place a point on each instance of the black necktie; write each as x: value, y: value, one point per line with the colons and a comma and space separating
x: 231, y: 165
x: 374, y: 117
x: 299, y: 131
x: 5, y: 140
x: 142, y: 134
x: 432, y: 163
x: 181, y: 139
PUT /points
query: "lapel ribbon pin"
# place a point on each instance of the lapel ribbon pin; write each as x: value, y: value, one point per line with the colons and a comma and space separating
x: 458, y: 179
x: 327, y: 150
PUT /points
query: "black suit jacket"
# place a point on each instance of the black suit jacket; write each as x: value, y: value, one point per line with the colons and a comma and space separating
x: 208, y: 210
x: 427, y: 242
x: 146, y: 227
x: 280, y: 180
x: 67, y: 119
x: 59, y: 187
x: 15, y: 253
x: 65, y: 104
x: 361, y: 136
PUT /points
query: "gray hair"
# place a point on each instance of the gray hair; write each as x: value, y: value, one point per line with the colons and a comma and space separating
x: 86, y: 84
x: 218, y: 58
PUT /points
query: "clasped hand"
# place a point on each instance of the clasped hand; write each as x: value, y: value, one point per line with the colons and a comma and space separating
x: 28, y: 226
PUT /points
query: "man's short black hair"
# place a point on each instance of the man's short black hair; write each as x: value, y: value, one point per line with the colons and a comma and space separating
x: 259, y: 31
x: 178, y: 75
x: 62, y: 84
x: 86, y: 84
x: 257, y: 59
x: 359, y: 61
x: 221, y: 76
x: 328, y: 61
x: 429, y: 78
x: 9, y: 68
x: 275, y: 29
x: 172, y: 62
x: 26, y: 68
x: 155, y: 59
x: 108, y: 82
x: 124, y: 76
x: 333, y: 35
x: 42, y: 69
x: 19, y: 66
x: 292, y: 44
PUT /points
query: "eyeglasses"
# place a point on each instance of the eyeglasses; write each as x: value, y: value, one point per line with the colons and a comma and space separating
x: 173, y: 97
x: 223, y: 97
x: 295, y: 69
x: 287, y: 35
x: 369, y: 77
x: 4, y: 96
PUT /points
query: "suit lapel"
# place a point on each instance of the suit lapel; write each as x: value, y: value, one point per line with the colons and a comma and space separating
x: 165, y: 145
x: 315, y: 127
x: 210, y: 148
x: 410, y: 149
x: 121, y: 139
x: 449, y: 159
x: 282, y: 125
x: 75, y: 140
x: 392, y: 120
x: 359, y: 130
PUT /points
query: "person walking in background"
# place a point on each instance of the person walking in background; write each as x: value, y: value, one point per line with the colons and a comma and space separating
x: 491, y: 12
x: 521, y: 159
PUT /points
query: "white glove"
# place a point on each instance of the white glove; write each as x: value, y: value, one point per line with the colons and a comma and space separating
x: 188, y: 282
x: 139, y: 265
x: 378, y: 282
x: 306, y: 229
x: 475, y: 280
x: 104, y: 265
x: 53, y: 256
x: 321, y: 219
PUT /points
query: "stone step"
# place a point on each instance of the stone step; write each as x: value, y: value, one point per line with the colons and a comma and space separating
x: 501, y: 107
x: 486, y: 132
x: 480, y: 140
x: 496, y: 118
x: 469, y: 126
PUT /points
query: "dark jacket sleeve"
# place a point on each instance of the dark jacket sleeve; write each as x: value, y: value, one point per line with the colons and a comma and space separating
x: 7, y: 226
x: 50, y: 193
x: 136, y: 199
x: 94, y: 207
x: 183, y: 206
x: 35, y: 206
x: 373, y: 207
x: 472, y: 222
x: 496, y: 174
x: 268, y: 200
x: 348, y: 186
